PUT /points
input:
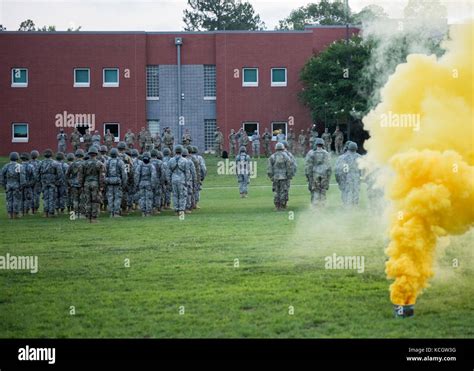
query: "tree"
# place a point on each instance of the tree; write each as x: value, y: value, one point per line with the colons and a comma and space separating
x: 47, y: 29
x: 27, y: 25
x: 212, y: 15
x: 2, y: 27
x: 369, y: 13
x: 323, y: 13
x: 334, y: 86
x: 70, y: 29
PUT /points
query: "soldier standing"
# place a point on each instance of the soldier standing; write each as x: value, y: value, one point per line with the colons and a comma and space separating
x: 267, y: 138
x: 168, y: 139
x: 148, y: 141
x: 109, y: 139
x: 302, y: 143
x: 88, y: 139
x: 27, y: 190
x: 232, y: 138
x: 50, y: 174
x: 167, y: 188
x: 326, y: 136
x: 96, y: 139
x: 280, y: 136
x: 191, y: 181
x: 76, y: 139
x: 122, y: 148
x: 256, y: 144
x: 348, y: 175
x: 318, y: 173
x: 73, y: 182
x: 160, y: 180
x: 146, y: 181
x: 92, y: 179
x: 37, y: 184
x: 129, y: 139
x: 280, y: 173
x: 291, y: 141
x: 338, y: 140
x: 141, y: 139
x: 186, y: 140
x: 157, y: 141
x: 218, y: 141
x: 61, y: 195
x: 62, y: 140
x: 13, y: 179
x: 242, y: 166
x: 177, y: 178
x: 115, y: 180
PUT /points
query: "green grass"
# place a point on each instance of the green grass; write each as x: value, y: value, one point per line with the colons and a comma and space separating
x: 190, y: 263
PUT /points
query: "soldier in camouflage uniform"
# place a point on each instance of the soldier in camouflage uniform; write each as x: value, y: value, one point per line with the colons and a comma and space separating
x: 13, y: 180
x: 267, y: 138
x: 326, y: 136
x: 88, y: 139
x: 291, y: 141
x: 50, y: 174
x: 256, y: 144
x: 69, y: 202
x: 76, y: 139
x: 122, y: 148
x: 129, y: 139
x: 218, y: 142
x: 191, y: 181
x: 74, y: 185
x: 318, y: 173
x: 148, y: 141
x: 177, y: 177
x: 133, y: 194
x: 62, y: 140
x: 92, y: 179
x: 27, y: 190
x: 294, y: 163
x: 160, y: 180
x: 302, y: 143
x: 168, y: 139
x: 96, y: 139
x: 157, y: 141
x: 197, y: 182
x: 146, y: 181
x: 201, y: 175
x: 168, y: 188
x: 232, y: 137
x: 338, y: 140
x: 348, y: 175
x: 115, y: 180
x: 186, y: 140
x: 61, y: 196
x: 242, y: 166
x: 280, y: 170
x: 37, y: 186
x: 109, y: 140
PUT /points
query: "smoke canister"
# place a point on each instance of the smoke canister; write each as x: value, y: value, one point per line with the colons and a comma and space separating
x: 403, y: 311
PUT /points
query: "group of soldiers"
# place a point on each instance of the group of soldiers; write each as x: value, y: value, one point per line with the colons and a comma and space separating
x: 296, y: 145
x: 118, y: 180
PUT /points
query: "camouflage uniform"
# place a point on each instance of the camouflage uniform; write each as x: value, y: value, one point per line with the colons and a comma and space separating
x: 13, y: 179
x: 348, y: 175
x: 326, y: 136
x: 115, y: 180
x: 267, y: 138
x: 302, y: 143
x: 166, y: 201
x: 186, y: 140
x: 191, y: 181
x: 146, y: 181
x: 338, y: 140
x: 255, y: 144
x: 74, y: 185
x: 242, y: 166
x: 129, y: 139
x: 122, y: 147
x: 87, y: 140
x: 197, y: 182
x: 177, y: 177
x: 280, y: 170
x: 37, y: 185
x: 30, y: 178
x: 291, y: 141
x: 202, y: 175
x: 148, y: 141
x: 50, y: 174
x: 109, y: 140
x: 61, y: 196
x: 96, y: 139
x: 232, y: 137
x: 92, y: 179
x: 160, y: 168
x: 168, y: 139
x: 76, y: 140
x: 318, y: 172
x: 157, y: 141
x: 62, y: 141
x: 218, y: 142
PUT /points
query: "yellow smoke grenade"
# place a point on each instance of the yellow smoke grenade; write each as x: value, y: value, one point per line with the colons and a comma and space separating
x: 423, y: 131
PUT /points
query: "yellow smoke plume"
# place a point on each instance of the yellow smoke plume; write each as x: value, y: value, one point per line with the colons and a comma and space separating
x: 423, y: 131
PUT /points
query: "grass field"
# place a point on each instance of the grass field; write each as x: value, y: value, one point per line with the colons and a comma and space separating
x: 190, y: 265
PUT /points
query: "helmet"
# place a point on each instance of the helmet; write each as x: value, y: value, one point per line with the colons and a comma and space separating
x: 178, y: 149
x: 166, y: 151
x: 189, y: 148
x: 93, y: 150
x: 194, y: 149
x: 352, y: 146
x: 34, y: 154
x: 114, y: 152
x: 159, y: 155
x: 135, y: 152
x: 14, y: 156
x: 279, y: 146
x: 103, y: 149
x: 25, y: 156
x: 79, y: 153
x: 319, y: 142
x: 146, y: 156
x: 47, y: 153
x: 122, y: 145
x: 185, y: 152
x: 242, y: 149
x: 70, y: 157
x: 59, y: 156
x: 154, y: 153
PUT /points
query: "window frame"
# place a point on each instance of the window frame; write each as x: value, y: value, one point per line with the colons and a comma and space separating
x: 274, y: 137
x: 116, y: 138
x: 110, y: 84
x: 251, y: 123
x: 20, y: 140
x: 279, y: 83
x: 146, y: 81
x: 249, y: 84
x: 82, y: 84
x: 19, y: 84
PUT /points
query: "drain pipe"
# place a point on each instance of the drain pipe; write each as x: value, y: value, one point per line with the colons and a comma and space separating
x: 178, y: 41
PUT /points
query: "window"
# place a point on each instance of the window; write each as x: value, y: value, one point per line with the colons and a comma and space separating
x: 19, y: 77
x: 110, y: 78
x: 152, y: 83
x: 210, y: 82
x: 278, y: 76
x: 19, y: 133
x: 153, y: 126
x: 278, y: 126
x: 114, y: 129
x: 250, y: 127
x: 209, y: 130
x: 82, y: 77
x: 250, y: 77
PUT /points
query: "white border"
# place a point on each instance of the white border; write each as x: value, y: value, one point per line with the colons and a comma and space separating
x: 274, y: 137
x: 116, y: 139
x: 251, y: 122
x: 279, y: 84
x: 110, y: 84
x: 20, y: 140
x: 249, y: 84
x: 82, y: 84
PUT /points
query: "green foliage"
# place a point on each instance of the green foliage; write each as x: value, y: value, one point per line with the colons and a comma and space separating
x: 213, y: 15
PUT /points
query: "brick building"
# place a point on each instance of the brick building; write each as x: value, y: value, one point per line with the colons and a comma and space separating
x: 127, y: 80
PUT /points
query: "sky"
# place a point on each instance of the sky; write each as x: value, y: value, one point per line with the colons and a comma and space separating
x: 166, y: 15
